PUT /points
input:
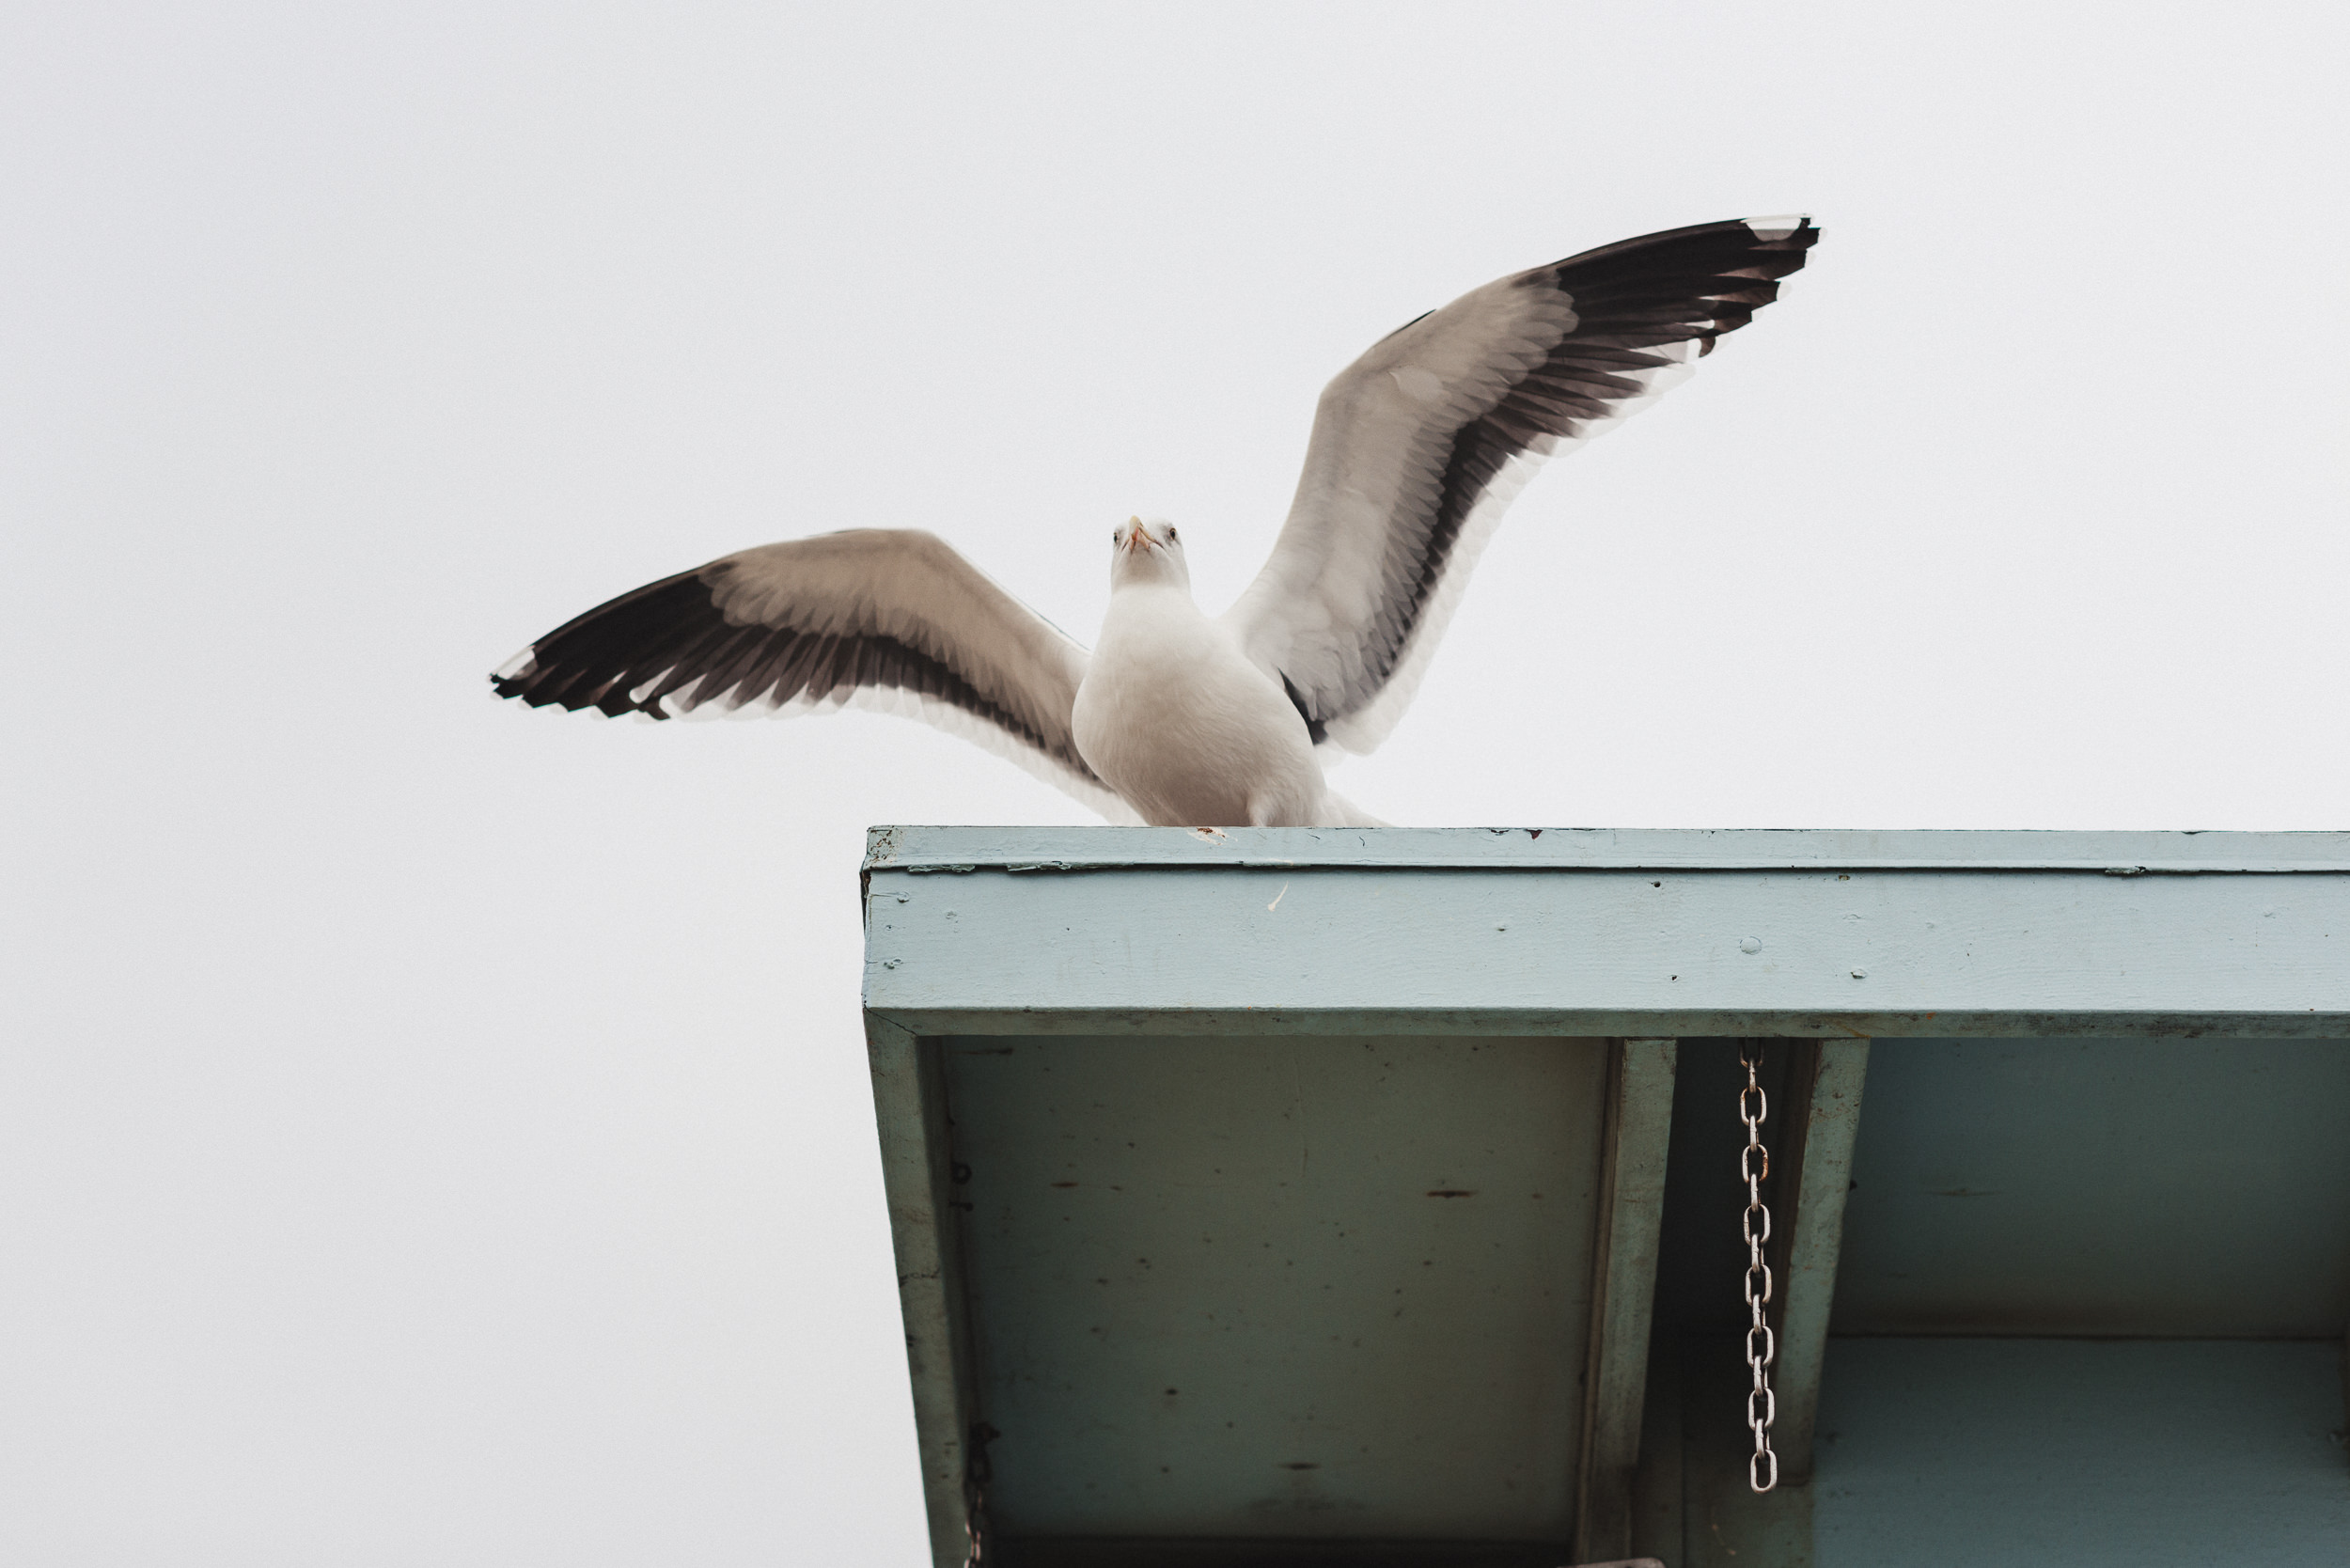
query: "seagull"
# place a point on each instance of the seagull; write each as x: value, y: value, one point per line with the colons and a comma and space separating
x: 1175, y: 718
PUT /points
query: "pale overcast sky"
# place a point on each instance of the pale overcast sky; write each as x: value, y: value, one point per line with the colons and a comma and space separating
x: 438, y: 1132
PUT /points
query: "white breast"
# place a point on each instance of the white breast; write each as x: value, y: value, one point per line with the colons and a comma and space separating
x: 1174, y: 717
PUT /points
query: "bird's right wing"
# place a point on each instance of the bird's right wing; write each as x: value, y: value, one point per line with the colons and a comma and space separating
x: 872, y: 618
x: 1420, y: 445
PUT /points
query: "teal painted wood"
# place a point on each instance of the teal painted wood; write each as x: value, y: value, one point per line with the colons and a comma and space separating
x: 2091, y: 957
x: 1291, y: 1289
x: 1829, y: 1110
x: 910, y: 1113
x: 1624, y: 1293
x: 1344, y: 938
x: 1052, y: 849
x: 1983, y: 1453
x: 2157, y: 1188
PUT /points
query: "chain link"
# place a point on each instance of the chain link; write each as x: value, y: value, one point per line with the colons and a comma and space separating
x: 977, y: 1471
x: 1754, y: 1165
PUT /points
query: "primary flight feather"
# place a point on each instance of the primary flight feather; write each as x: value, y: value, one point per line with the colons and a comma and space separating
x: 1176, y: 718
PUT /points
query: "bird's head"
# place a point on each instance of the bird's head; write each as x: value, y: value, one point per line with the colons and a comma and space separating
x: 1148, y: 553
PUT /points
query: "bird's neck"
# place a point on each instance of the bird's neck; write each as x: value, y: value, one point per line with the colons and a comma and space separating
x: 1153, y: 621
x: 1149, y: 571
x: 1162, y: 588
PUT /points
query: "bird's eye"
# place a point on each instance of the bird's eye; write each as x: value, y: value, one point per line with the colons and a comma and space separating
x: 1170, y: 533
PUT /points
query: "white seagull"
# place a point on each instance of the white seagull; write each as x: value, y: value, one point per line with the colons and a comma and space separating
x: 1177, y: 719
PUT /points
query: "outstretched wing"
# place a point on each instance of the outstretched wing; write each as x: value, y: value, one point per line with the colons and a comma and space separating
x: 1418, y: 446
x: 873, y: 618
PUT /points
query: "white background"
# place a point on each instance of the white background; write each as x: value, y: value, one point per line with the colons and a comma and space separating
x: 437, y: 1133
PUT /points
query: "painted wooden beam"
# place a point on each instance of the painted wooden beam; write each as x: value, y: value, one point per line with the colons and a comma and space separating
x: 917, y: 1177
x: 1072, y: 849
x: 1823, y: 1095
x: 1971, y: 946
x: 1624, y: 1293
x: 1611, y: 1024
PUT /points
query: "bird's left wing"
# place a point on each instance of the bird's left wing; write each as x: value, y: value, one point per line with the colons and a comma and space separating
x: 873, y: 618
x: 1420, y: 445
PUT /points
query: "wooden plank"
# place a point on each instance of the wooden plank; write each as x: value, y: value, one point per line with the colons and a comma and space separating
x: 1046, y: 849
x: 1624, y: 1293
x: 1864, y: 954
x: 1824, y: 1095
x: 1610, y: 1023
x: 1250, y: 1289
x: 909, y: 1112
x: 2006, y: 1188
x: 2084, y: 1453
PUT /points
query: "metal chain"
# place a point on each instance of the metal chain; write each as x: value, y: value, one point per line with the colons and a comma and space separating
x: 977, y: 1471
x: 1754, y: 1165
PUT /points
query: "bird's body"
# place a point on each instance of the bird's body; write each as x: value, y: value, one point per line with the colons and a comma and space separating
x: 1176, y: 718
x: 1173, y: 716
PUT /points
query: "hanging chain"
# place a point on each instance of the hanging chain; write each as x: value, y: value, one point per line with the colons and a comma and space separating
x: 1754, y: 1164
x: 977, y: 1471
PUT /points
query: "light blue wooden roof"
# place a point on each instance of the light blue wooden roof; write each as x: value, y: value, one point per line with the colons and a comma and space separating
x: 1260, y: 1192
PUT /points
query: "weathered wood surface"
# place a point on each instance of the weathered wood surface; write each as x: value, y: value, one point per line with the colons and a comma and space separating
x: 1929, y: 942
x: 1623, y: 1291
x: 910, y: 1113
x: 1825, y: 1103
x: 1048, y: 849
x: 2123, y: 1189
x: 2080, y: 1452
x: 1971, y: 946
x: 1287, y: 1288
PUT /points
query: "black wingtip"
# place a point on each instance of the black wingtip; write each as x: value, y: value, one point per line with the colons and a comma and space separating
x: 603, y: 658
x: 516, y: 683
x: 1769, y: 248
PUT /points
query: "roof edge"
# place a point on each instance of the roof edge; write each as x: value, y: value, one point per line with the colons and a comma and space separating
x: 2114, y: 853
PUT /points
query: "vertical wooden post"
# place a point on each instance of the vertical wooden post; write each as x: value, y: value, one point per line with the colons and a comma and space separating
x: 1623, y: 1291
x: 1823, y: 1093
x: 909, y: 1108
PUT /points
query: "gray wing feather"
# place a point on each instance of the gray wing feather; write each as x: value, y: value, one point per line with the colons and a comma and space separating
x: 889, y: 618
x: 1421, y: 444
